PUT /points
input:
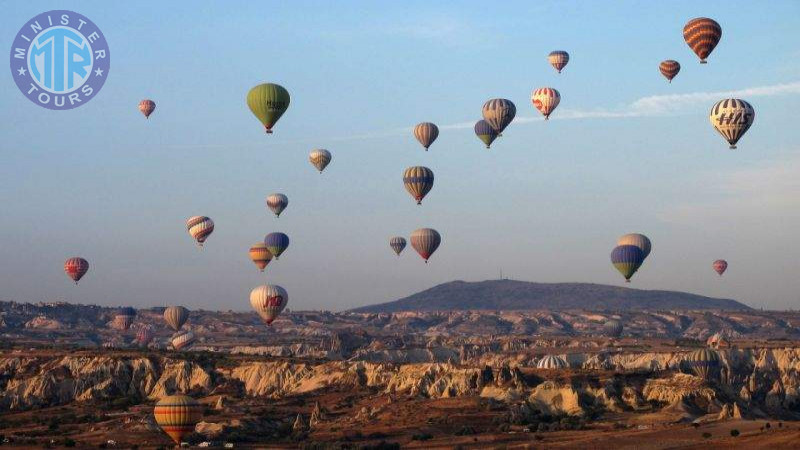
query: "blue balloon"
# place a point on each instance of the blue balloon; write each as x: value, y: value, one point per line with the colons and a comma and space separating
x: 276, y: 243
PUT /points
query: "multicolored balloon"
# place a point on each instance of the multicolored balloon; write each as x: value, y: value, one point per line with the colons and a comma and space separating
x: 732, y: 118
x: 669, y: 69
x: 147, y: 107
x: 426, y: 133
x: 268, y: 102
x: 277, y: 243
x: 485, y: 132
x: 613, y: 328
x: 144, y: 335
x: 498, y: 113
x: 545, y: 100
x: 277, y: 203
x: 268, y: 301
x: 124, y: 318
x: 558, y: 59
x: 627, y: 259
x: 720, y: 266
x: 425, y: 241
x: 397, y: 244
x: 418, y: 181
x: 199, y: 228
x: 702, y: 35
x: 76, y: 268
x: 176, y: 316
x: 320, y: 158
x: 177, y: 415
x: 638, y: 240
x: 183, y: 340
x: 704, y: 363
x: 260, y: 255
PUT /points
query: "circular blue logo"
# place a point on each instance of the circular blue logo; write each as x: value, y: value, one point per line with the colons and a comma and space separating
x: 60, y: 59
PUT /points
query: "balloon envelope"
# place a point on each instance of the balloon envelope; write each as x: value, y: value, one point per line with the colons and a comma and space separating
x: 320, y: 158
x: 704, y: 363
x: 124, y: 318
x: 76, y: 268
x: 498, y: 113
x: 176, y: 316
x: 732, y: 118
x: 200, y: 227
x: 260, y: 255
x: 558, y: 59
x: 638, y: 240
x: 397, y: 244
x: 702, y: 35
x: 277, y: 243
x: 545, y: 100
x: 268, y: 301
x: 183, y: 340
x: 613, y: 328
x: 425, y: 241
x: 426, y: 133
x: 627, y: 259
x: 669, y: 69
x: 268, y: 102
x: 177, y: 415
x: 277, y: 203
x: 144, y: 335
x: 418, y: 181
x: 720, y: 266
x: 485, y: 132
x: 147, y: 107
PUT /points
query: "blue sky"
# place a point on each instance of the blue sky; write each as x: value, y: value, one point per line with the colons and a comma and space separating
x: 624, y: 152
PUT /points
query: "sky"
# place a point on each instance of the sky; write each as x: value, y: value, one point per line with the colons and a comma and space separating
x: 624, y: 152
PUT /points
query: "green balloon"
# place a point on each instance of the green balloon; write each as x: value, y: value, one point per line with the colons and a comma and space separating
x: 268, y: 102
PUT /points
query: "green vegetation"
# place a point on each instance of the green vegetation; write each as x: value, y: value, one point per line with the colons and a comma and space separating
x: 734, y: 432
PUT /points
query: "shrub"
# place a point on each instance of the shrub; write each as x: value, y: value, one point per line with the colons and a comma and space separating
x: 706, y: 435
x: 422, y: 437
x: 69, y: 442
x: 767, y: 425
x: 734, y: 432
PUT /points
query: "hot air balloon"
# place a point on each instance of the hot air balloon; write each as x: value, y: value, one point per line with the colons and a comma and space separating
x: 199, y: 228
x: 545, y: 100
x: 613, y: 328
x: 398, y: 244
x: 144, y: 335
x: 552, y: 362
x: 720, y: 266
x: 627, y: 259
x: 704, y: 363
x: 702, y: 35
x: 124, y: 318
x: 418, y: 181
x: 276, y: 243
x: 425, y: 241
x: 183, y: 339
x: 147, y: 107
x: 558, y: 59
x: 176, y: 316
x: 485, y: 132
x: 268, y: 301
x: 320, y: 158
x: 177, y: 415
x: 732, y: 118
x: 498, y: 113
x: 426, y: 133
x: 277, y: 203
x: 268, y: 102
x: 76, y: 268
x: 260, y: 255
x: 669, y: 69
x: 638, y: 240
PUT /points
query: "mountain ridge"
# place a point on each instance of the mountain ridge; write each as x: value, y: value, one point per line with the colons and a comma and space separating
x: 514, y: 295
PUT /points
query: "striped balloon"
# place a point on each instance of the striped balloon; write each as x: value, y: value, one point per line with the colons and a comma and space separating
x: 669, y: 69
x: 268, y: 301
x: 177, y: 415
x: 199, y: 228
x: 260, y: 255
x: 183, y: 340
x: 638, y: 240
x: 124, y: 318
x: 277, y: 203
x: 268, y: 102
x: 425, y: 241
x: 702, y: 35
x: 147, y: 107
x: 320, y: 158
x: 76, y: 268
x: 552, y: 362
x: 426, y: 133
x: 704, y: 362
x: 498, y: 113
x: 418, y: 181
x: 176, y: 316
x: 277, y: 243
x: 732, y: 118
x: 613, y: 328
x: 558, y: 59
x: 397, y: 243
x: 144, y: 335
x: 720, y: 266
x: 545, y: 100
x: 485, y: 132
x: 627, y: 259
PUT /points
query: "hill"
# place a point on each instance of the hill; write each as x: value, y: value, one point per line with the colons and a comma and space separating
x: 522, y: 295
